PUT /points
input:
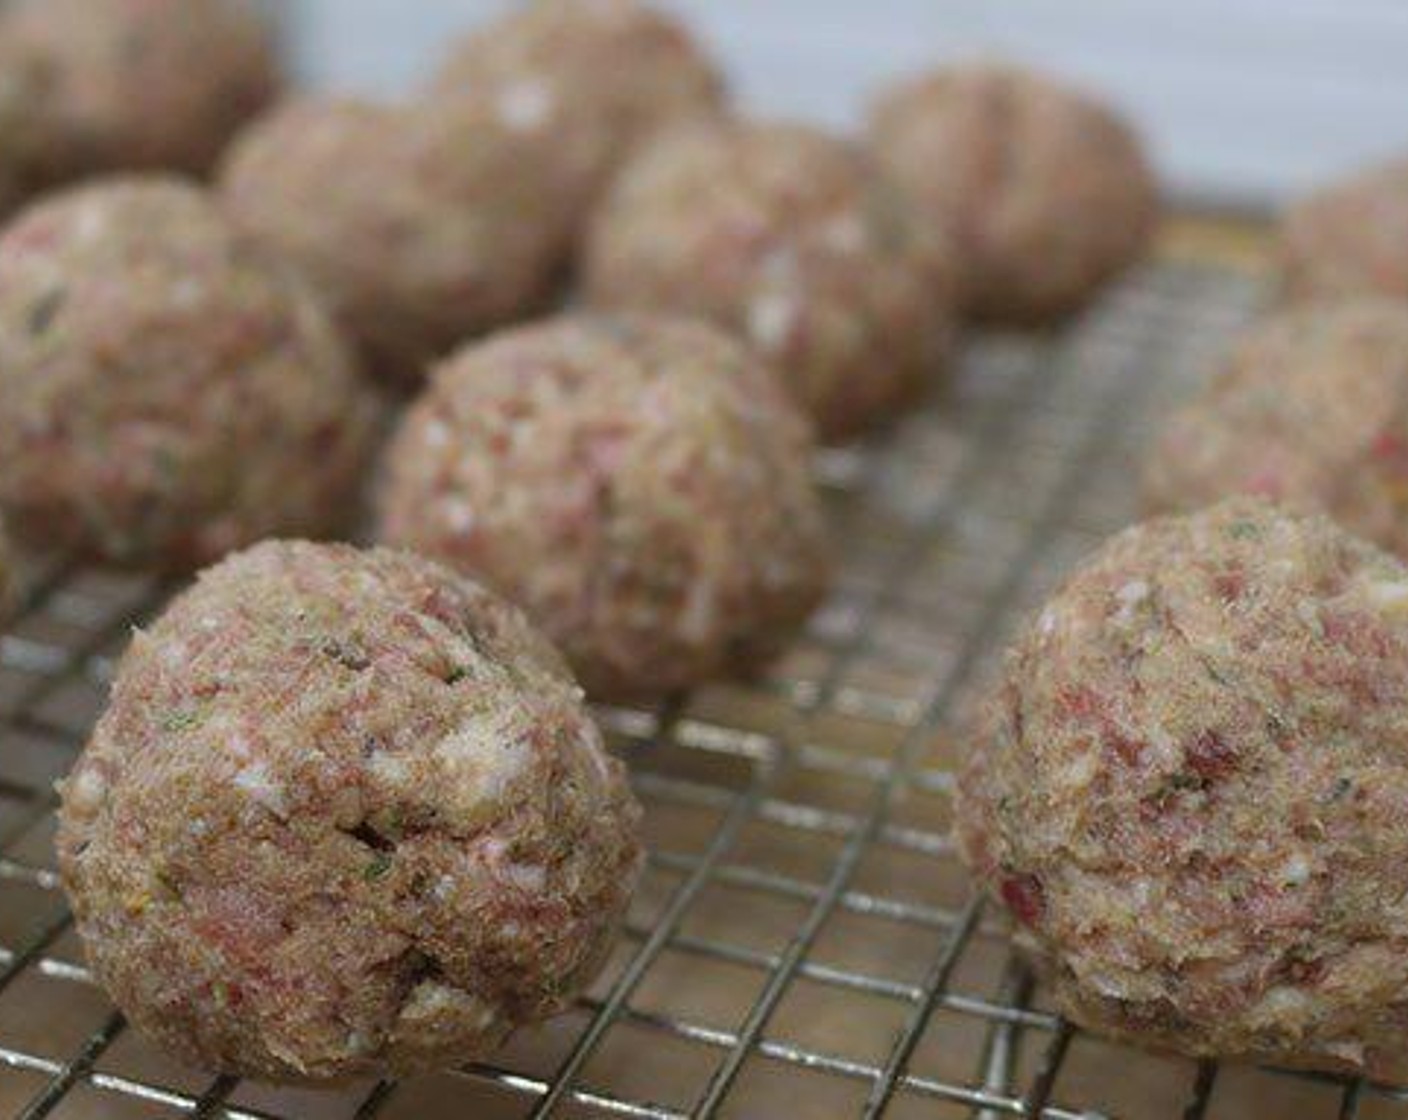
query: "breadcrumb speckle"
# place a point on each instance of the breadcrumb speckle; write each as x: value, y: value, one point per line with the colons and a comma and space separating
x: 526, y: 105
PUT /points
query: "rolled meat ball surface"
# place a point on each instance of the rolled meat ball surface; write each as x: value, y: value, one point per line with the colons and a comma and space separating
x: 785, y: 236
x: 145, y: 84
x: 1310, y: 409
x: 1044, y: 190
x: 1187, y: 791
x: 596, y: 77
x: 1349, y: 239
x: 639, y: 485
x: 420, y: 226
x: 166, y: 395
x: 345, y: 814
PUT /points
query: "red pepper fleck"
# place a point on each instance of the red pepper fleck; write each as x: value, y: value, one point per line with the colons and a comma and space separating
x: 443, y: 607
x: 1153, y: 807
x: 1129, y: 750
x: 1357, y: 632
x: 1229, y: 585
x: 1391, y: 447
x: 1306, y: 973
x: 1078, y: 702
x: 1210, y: 757
x: 1025, y: 897
x: 1266, y: 484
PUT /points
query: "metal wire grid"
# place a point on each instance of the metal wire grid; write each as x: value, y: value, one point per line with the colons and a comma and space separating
x: 804, y: 942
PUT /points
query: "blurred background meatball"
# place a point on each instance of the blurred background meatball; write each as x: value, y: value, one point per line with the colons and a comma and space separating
x: 639, y: 485
x: 1043, y: 190
x: 345, y: 813
x: 166, y: 395
x: 1310, y: 409
x: 421, y: 226
x: 784, y: 235
x: 1349, y: 238
x: 145, y: 84
x: 596, y: 77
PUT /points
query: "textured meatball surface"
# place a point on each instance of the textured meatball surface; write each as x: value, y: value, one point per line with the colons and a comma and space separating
x: 597, y: 77
x: 1311, y: 410
x: 165, y: 395
x: 786, y: 237
x: 639, y: 485
x: 1188, y: 791
x: 1349, y: 239
x: 421, y: 226
x: 345, y: 813
x: 1044, y: 191
x: 145, y: 84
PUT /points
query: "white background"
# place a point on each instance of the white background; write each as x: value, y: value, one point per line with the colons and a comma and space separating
x: 1242, y: 100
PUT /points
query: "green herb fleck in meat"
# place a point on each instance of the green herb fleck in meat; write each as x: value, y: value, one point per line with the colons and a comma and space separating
x: 377, y: 868
x: 46, y: 310
x: 184, y: 720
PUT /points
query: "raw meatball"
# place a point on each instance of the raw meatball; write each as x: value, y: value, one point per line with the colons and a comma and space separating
x: 1351, y: 239
x: 421, y: 227
x: 1189, y: 791
x: 138, y: 84
x: 640, y: 486
x: 1044, y: 191
x: 345, y: 813
x: 165, y: 396
x: 1311, y: 409
x: 785, y: 236
x: 595, y: 76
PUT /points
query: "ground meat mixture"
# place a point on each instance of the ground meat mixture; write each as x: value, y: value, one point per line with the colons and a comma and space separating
x: 597, y: 77
x: 345, y: 813
x: 640, y: 485
x: 1188, y: 791
x: 787, y: 237
x: 422, y: 226
x: 165, y: 395
x: 1349, y: 239
x: 145, y: 84
x: 1044, y: 191
x: 1311, y: 410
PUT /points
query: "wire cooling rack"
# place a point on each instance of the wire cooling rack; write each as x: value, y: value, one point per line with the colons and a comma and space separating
x: 804, y: 943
